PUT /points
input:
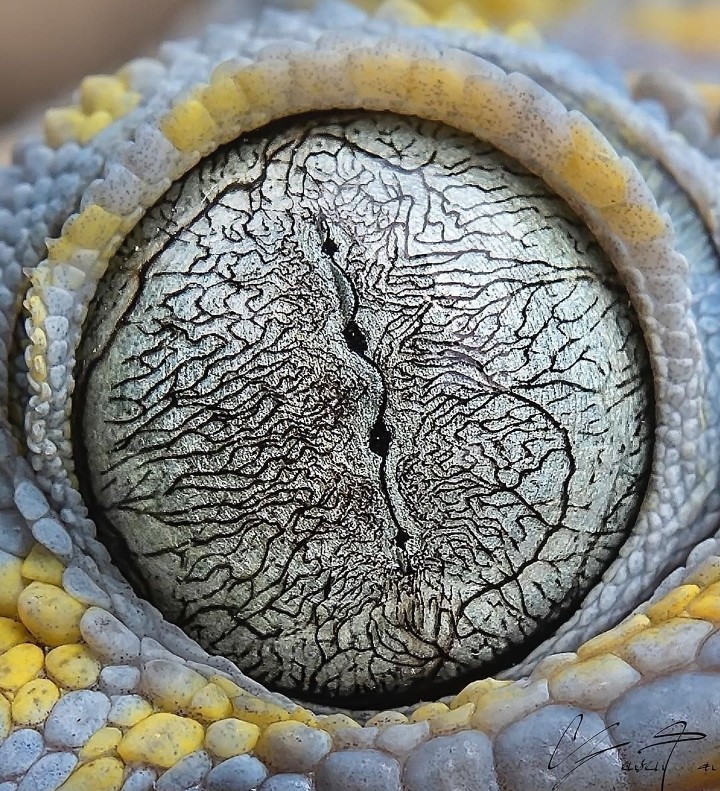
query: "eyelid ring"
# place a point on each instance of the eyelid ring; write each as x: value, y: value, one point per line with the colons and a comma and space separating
x: 509, y: 111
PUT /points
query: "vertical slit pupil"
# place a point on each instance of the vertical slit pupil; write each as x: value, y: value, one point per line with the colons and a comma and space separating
x: 379, y: 440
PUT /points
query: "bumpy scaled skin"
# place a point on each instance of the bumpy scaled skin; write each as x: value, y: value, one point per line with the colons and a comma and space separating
x: 99, y: 692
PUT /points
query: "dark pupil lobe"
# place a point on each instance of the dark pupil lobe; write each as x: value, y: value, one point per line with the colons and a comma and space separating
x: 363, y: 407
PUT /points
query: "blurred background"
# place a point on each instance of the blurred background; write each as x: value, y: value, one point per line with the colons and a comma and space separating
x: 47, y: 47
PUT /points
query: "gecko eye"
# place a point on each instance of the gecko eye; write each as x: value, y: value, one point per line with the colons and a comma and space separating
x: 364, y: 407
x: 371, y: 405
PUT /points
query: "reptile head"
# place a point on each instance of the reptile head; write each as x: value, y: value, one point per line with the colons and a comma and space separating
x: 379, y: 360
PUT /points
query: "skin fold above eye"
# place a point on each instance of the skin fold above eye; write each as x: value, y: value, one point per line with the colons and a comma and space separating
x: 98, y: 691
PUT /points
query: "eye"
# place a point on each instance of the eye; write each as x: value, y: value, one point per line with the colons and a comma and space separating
x: 367, y: 408
x: 409, y: 383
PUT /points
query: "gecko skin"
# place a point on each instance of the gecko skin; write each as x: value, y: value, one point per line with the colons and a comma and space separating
x: 99, y: 692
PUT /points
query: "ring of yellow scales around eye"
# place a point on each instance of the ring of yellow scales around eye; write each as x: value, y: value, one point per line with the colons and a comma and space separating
x: 54, y: 644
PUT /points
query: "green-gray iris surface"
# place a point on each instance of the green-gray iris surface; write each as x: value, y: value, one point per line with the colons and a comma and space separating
x: 364, y: 408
